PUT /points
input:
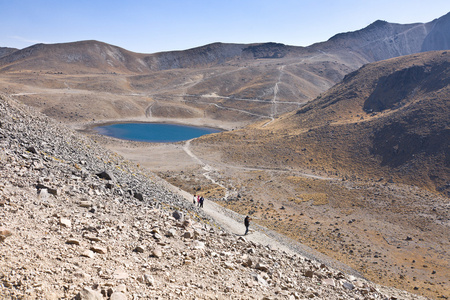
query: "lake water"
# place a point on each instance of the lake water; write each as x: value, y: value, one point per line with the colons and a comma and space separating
x: 153, y: 132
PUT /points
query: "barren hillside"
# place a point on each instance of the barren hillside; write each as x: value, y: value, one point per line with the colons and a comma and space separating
x: 79, y: 222
x: 373, y: 150
x: 217, y: 82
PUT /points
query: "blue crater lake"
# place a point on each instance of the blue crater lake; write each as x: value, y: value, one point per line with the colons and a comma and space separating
x: 153, y: 132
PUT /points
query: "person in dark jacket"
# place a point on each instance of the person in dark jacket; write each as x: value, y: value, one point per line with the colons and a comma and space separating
x: 247, y: 224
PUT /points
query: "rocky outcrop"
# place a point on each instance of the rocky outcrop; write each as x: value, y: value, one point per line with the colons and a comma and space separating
x: 97, y: 241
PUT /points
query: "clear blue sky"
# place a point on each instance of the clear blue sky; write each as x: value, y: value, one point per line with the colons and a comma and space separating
x: 152, y: 26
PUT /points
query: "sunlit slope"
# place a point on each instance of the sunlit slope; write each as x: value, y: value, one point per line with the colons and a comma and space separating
x: 386, y: 121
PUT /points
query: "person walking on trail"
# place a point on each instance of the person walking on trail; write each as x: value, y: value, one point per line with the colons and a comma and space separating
x: 195, y: 199
x: 201, y: 201
x: 247, y: 224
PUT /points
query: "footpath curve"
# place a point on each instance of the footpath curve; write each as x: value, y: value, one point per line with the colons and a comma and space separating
x: 233, y: 223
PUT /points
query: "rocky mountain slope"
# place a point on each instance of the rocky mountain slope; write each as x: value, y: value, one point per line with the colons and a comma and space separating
x: 79, y: 222
x: 386, y: 120
x: 227, y: 82
x: 373, y: 150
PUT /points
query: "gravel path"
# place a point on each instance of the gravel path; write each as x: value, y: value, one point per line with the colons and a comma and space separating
x: 234, y: 223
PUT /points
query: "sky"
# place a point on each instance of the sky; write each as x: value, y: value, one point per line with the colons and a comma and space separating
x: 153, y: 26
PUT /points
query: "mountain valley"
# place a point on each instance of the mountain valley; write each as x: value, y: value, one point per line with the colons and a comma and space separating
x: 342, y: 146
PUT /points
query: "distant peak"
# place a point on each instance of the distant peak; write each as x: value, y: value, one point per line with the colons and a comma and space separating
x: 377, y: 23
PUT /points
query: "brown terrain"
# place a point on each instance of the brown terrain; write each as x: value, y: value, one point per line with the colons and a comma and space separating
x: 342, y: 145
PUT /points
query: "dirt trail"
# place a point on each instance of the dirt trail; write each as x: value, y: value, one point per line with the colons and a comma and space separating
x: 234, y: 224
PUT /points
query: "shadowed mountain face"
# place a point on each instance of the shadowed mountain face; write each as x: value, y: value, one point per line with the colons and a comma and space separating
x: 439, y: 36
x: 227, y: 82
x: 387, y: 120
x: 4, y: 51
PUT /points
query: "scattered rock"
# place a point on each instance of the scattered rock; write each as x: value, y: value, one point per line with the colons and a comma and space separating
x: 120, y: 274
x: 118, y: 296
x: 157, y: 252
x: 105, y: 175
x: 139, y: 249
x: 139, y: 196
x: 65, y: 222
x: 261, y: 267
x: 85, y: 204
x: 348, y: 285
x: 4, y: 233
x: 88, y: 253
x: 309, y: 274
x: 99, y: 250
x: 72, y: 242
x: 177, y: 215
x: 88, y: 294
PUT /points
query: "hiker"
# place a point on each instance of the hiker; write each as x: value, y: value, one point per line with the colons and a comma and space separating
x: 198, y: 200
x: 194, y: 200
x: 201, y: 201
x: 247, y: 224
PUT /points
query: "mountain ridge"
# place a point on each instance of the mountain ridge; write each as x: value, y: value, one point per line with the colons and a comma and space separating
x: 387, y: 40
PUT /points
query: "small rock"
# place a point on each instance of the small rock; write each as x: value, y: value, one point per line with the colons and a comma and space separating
x: 4, y: 233
x: 187, y: 223
x: 157, y: 252
x: 258, y: 278
x: 147, y: 279
x: 177, y: 215
x: 85, y: 204
x: 188, y: 235
x: 348, y: 285
x: 139, y: 196
x: 65, y: 222
x: 197, y: 245
x: 32, y: 150
x: 328, y: 281
x: 139, y: 249
x: 118, y: 296
x: 73, y: 242
x: 247, y: 261
x: 261, y: 267
x: 121, y: 288
x: 88, y: 294
x: 43, y: 194
x: 309, y: 274
x: 92, y: 238
x: 228, y: 265
x: 172, y: 232
x: 99, y: 250
x: 88, y: 253
x: 120, y: 274
x: 105, y: 175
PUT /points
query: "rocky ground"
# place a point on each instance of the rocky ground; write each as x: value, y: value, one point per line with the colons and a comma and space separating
x: 79, y: 222
x: 395, y: 235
